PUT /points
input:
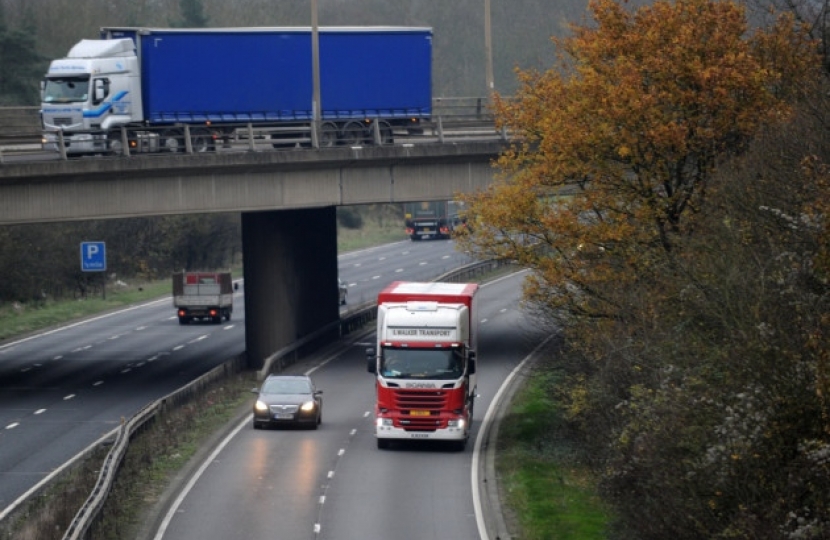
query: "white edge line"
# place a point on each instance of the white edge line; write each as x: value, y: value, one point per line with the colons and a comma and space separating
x: 484, y: 429
x: 193, y: 479
x: 488, y: 418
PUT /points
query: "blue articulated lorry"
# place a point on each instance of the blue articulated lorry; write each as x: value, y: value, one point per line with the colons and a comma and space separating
x: 174, y: 89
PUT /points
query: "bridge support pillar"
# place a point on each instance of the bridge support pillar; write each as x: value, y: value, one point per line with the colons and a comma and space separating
x: 290, y: 270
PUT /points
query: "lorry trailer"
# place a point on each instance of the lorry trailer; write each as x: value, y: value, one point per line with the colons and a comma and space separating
x: 175, y: 89
x: 424, y: 362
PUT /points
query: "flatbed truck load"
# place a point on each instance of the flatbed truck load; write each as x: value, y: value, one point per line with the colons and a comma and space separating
x: 424, y: 362
x: 206, y: 296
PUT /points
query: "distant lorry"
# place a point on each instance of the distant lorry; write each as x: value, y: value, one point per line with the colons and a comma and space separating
x: 431, y: 219
x: 180, y: 89
x: 203, y: 296
x: 424, y: 362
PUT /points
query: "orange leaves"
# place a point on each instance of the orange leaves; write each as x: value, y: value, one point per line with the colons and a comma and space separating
x: 631, y: 127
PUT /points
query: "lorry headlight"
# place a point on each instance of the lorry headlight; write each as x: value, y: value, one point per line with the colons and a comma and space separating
x: 381, y: 422
x: 260, y: 406
x: 457, y: 423
x: 308, y: 406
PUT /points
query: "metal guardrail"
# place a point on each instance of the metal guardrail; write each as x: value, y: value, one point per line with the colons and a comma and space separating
x: 453, y: 119
x: 354, y: 320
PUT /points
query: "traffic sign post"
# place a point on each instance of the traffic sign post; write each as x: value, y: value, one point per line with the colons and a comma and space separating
x: 94, y: 259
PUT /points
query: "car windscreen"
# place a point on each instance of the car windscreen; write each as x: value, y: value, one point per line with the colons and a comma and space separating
x: 278, y: 386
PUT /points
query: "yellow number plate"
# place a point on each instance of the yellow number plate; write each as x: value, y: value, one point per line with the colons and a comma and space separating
x: 419, y: 413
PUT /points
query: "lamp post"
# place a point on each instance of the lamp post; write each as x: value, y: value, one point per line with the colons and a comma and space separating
x: 315, y: 77
x: 488, y: 49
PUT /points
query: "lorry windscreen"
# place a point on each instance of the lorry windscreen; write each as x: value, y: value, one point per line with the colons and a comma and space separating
x: 409, y: 363
x: 66, y: 90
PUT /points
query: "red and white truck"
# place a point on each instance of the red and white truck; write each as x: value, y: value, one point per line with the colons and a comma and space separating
x: 425, y: 362
x: 203, y: 295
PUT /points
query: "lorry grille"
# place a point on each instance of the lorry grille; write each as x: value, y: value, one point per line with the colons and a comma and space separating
x: 421, y: 400
x: 63, y: 121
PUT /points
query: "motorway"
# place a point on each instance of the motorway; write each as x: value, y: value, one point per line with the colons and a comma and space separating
x: 333, y: 483
x: 62, y: 390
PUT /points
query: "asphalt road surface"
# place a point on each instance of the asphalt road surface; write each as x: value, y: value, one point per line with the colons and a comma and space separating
x: 333, y: 483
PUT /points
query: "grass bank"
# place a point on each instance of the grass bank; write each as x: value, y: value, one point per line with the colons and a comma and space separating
x: 547, y: 492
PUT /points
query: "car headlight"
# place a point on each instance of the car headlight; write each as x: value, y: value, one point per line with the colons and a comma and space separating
x: 260, y: 406
x: 308, y: 406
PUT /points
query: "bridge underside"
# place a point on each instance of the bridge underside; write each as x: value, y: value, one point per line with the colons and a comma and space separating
x: 290, y: 260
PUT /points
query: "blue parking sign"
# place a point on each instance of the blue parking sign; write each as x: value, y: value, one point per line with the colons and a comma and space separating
x: 93, y: 256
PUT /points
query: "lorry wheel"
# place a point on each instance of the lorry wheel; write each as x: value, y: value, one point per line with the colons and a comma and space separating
x: 328, y: 135
x: 172, y: 140
x: 353, y: 133
x: 383, y: 444
x: 183, y: 320
x: 228, y: 316
x: 201, y: 140
x: 115, y: 144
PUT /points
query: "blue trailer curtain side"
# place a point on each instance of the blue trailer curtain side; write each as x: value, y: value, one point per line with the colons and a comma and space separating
x: 265, y: 74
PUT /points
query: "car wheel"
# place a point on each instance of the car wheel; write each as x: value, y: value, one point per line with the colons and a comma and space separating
x: 257, y: 425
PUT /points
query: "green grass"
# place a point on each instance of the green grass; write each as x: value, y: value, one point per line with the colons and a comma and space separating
x: 371, y: 234
x: 17, y: 320
x: 158, y: 453
x: 548, y: 493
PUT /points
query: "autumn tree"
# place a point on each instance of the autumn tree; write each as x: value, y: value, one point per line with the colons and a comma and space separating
x: 618, y: 144
x: 684, y: 256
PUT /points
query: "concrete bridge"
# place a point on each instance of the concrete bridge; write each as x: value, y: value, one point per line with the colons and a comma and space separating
x: 287, y: 200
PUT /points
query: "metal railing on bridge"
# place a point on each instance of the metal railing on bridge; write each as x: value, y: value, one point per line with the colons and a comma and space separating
x: 453, y: 119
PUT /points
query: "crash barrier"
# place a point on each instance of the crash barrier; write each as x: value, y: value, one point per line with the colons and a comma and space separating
x: 453, y: 119
x: 91, y: 509
x: 19, y: 130
x: 355, y: 320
